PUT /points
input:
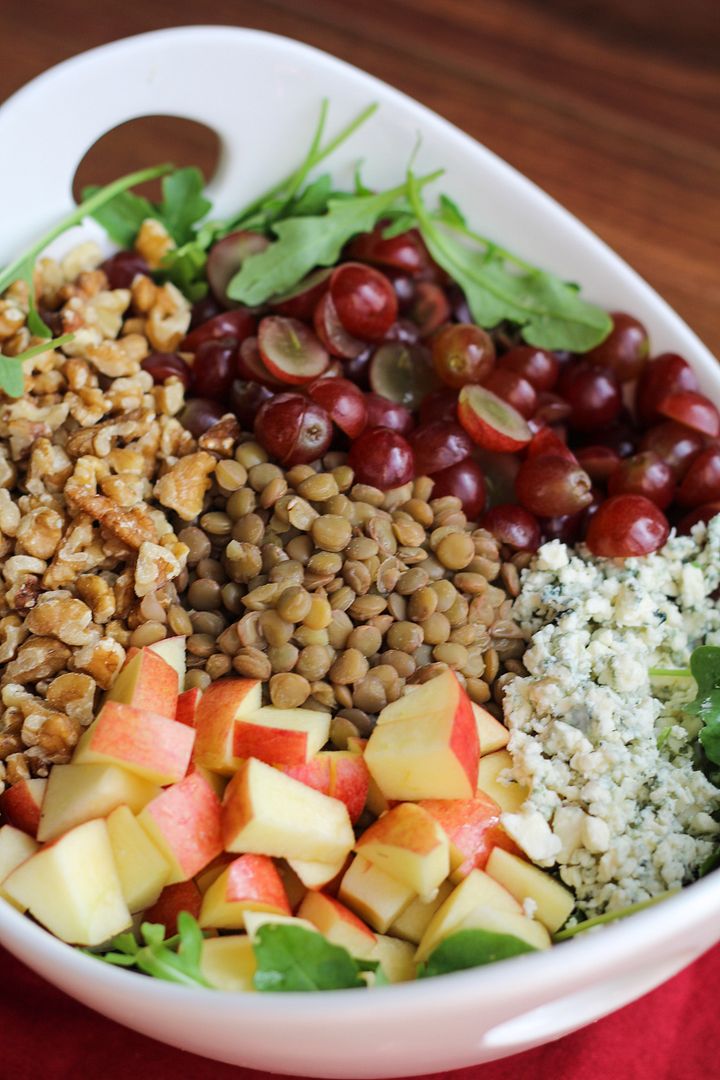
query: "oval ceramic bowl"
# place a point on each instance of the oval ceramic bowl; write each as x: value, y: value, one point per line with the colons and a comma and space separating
x: 261, y: 93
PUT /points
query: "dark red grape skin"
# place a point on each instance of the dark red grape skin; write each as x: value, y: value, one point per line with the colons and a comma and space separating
x: 644, y: 474
x: 661, y: 376
x: 429, y: 309
x: 200, y: 414
x: 693, y: 410
x: 627, y: 525
x: 551, y: 486
x: 625, y: 349
x: 122, y: 268
x: 344, y: 403
x: 539, y: 366
x: 703, y: 513
x: 336, y: 339
x: 548, y: 443
x: 204, y: 310
x: 388, y: 414
x: 239, y: 324
x: 293, y: 429
x: 466, y: 481
x: 300, y: 302
x: 674, y: 443
x: 382, y: 458
x: 439, y: 405
x: 599, y: 462
x: 405, y: 252
x: 364, y: 299
x: 513, y: 388
x: 215, y: 368
x: 357, y: 368
x: 246, y: 399
x: 593, y: 394
x: 701, y: 483
x: 164, y: 365
x: 551, y: 408
x: 512, y: 525
x: 438, y: 445
x: 463, y: 353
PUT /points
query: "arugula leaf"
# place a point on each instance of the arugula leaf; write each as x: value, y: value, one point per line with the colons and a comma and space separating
x: 293, y: 958
x: 705, y: 668
x: 451, y: 213
x: 175, y: 959
x: 612, y: 916
x: 183, y: 203
x: 550, y: 312
x: 185, y: 267
x: 469, y: 949
x: 122, y: 217
x: 12, y: 379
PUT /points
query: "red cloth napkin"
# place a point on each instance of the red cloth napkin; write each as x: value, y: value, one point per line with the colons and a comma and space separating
x: 671, y: 1034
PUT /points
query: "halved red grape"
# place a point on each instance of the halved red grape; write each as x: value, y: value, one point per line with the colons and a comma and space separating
x: 382, y: 458
x: 593, y: 394
x: 251, y: 367
x: 512, y: 525
x: 490, y: 421
x: 246, y: 399
x: 122, y: 268
x: 691, y: 409
x: 627, y: 525
x: 439, y: 405
x: 551, y: 408
x: 293, y: 429
x: 701, y: 483
x: 625, y: 349
x: 539, y: 366
x: 163, y: 365
x: 703, y: 513
x: 464, y: 480
x: 364, y: 299
x: 599, y: 462
x: 290, y: 350
x: 388, y: 414
x: 203, y: 310
x: 215, y: 368
x: 344, y: 403
x: 674, y: 443
x: 300, y: 301
x: 405, y: 252
x: 332, y: 333
x: 200, y: 414
x: 402, y: 373
x: 438, y: 445
x: 430, y: 308
x: 514, y: 389
x: 547, y: 443
x: 238, y: 324
x: 227, y: 256
x: 551, y: 486
x: 463, y: 353
x: 661, y: 376
x: 644, y: 474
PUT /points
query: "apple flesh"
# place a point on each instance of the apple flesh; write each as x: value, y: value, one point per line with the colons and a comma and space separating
x: 21, y: 804
x: 524, y: 881
x: 172, y: 651
x: 506, y: 922
x: 408, y: 844
x: 184, y: 824
x: 338, y: 924
x: 250, y: 883
x: 509, y: 796
x: 228, y: 963
x: 425, y: 744
x: 255, y: 919
x: 220, y: 706
x: 174, y: 899
x: 491, y: 733
x: 144, y: 743
x: 71, y: 886
x: 341, y: 774
x: 187, y: 706
x: 268, y: 813
x: 397, y: 958
x: 412, y: 923
x: 281, y: 736
x: 79, y: 793
x: 473, y: 828
x: 477, y: 890
x: 319, y: 875
x: 147, y: 682
x: 15, y: 848
x: 373, y: 895
x: 142, y: 870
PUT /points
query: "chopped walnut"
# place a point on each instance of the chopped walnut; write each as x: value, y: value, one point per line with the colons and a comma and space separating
x: 80, y: 259
x: 101, y: 660
x: 37, y: 658
x: 169, y: 398
x: 99, y: 595
x: 12, y: 318
x: 79, y: 552
x: 144, y: 292
x: 153, y: 242
x: 49, y: 468
x: 92, y: 319
x: 183, y: 487
x: 118, y: 358
x: 66, y: 619
x: 9, y: 514
x: 221, y: 437
x: 168, y: 320
x: 73, y: 694
x: 155, y: 566
x: 40, y: 531
x: 12, y: 635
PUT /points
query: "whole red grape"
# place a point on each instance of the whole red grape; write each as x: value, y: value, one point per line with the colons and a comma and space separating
x: 364, y: 300
x: 466, y: 481
x: 593, y: 394
x: 438, y: 445
x: 200, y: 414
x: 627, y: 525
x: 463, y: 353
x: 539, y: 366
x: 513, y: 525
x: 388, y: 414
x: 625, y: 349
x: 701, y: 483
x: 675, y: 444
x: 164, y: 365
x: 122, y: 268
x: 552, y: 486
x: 382, y: 458
x: 293, y: 429
x: 246, y: 399
x: 238, y: 324
x: 661, y: 376
x: 344, y: 402
x: 644, y: 474
x: 599, y: 462
x: 513, y: 388
x: 439, y: 405
x: 215, y: 368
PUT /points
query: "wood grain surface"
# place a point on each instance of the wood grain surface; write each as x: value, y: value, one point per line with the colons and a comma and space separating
x: 612, y: 106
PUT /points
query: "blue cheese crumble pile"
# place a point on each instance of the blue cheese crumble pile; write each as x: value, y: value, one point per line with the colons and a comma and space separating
x: 616, y: 803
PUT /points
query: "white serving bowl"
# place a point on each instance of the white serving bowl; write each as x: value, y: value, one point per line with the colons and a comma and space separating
x: 261, y: 93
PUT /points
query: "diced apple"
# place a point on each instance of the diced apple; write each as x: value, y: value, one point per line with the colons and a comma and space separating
x: 412, y: 923
x: 220, y: 706
x: 214, y: 780
x: 281, y: 736
x: 315, y: 773
x: 425, y: 744
x: 525, y: 881
x: 492, y: 734
x: 341, y: 774
x: 21, y: 804
x: 172, y: 651
x: 142, y: 870
x: 319, y: 875
x: 71, y: 886
x: 145, y: 743
x: 269, y: 813
x: 184, y: 823
x: 147, y: 682
x: 509, y: 796
x: 477, y: 890
x: 249, y: 883
x: 376, y: 802
x: 228, y: 963
x: 78, y: 793
x: 293, y: 885
x: 212, y: 872
x: 408, y: 844
x: 187, y: 706
x: 15, y: 848
x: 338, y: 924
x: 373, y: 895
x: 506, y: 922
x: 473, y: 829
x: 397, y: 958
x: 183, y: 896
x: 255, y: 919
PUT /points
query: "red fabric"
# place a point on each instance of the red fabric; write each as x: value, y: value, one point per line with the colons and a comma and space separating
x: 670, y: 1034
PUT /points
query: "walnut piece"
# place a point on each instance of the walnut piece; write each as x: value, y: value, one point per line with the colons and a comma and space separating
x: 37, y: 658
x: 183, y: 487
x: 155, y: 566
x: 101, y: 660
x: 73, y: 694
x: 66, y: 619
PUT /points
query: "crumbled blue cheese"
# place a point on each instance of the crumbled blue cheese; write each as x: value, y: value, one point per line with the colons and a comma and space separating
x: 622, y: 813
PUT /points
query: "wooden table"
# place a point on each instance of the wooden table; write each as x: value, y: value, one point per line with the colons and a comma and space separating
x: 613, y: 108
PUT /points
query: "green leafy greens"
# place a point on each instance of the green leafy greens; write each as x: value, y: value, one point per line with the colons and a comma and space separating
x: 612, y: 916
x: 293, y: 958
x: 175, y: 959
x: 705, y: 668
x: 469, y: 949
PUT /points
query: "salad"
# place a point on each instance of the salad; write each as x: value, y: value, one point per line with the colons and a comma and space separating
x: 358, y: 592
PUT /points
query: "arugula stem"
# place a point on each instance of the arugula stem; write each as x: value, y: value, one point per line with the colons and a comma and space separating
x: 669, y: 673
x: 299, y: 177
x: 44, y: 346
x: 611, y: 916
x: 489, y: 244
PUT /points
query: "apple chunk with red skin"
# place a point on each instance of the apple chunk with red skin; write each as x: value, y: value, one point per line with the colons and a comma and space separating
x: 473, y: 829
x: 338, y: 773
x: 78, y: 793
x: 281, y: 736
x: 15, y: 847
x: 249, y: 883
x: 182, y: 896
x: 147, y: 682
x: 492, y: 734
x: 425, y: 745
x: 184, y: 824
x: 21, y: 804
x: 408, y: 844
x: 187, y: 706
x: 338, y: 924
x: 172, y: 651
x: 220, y: 706
x: 144, y: 743
x: 373, y: 895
